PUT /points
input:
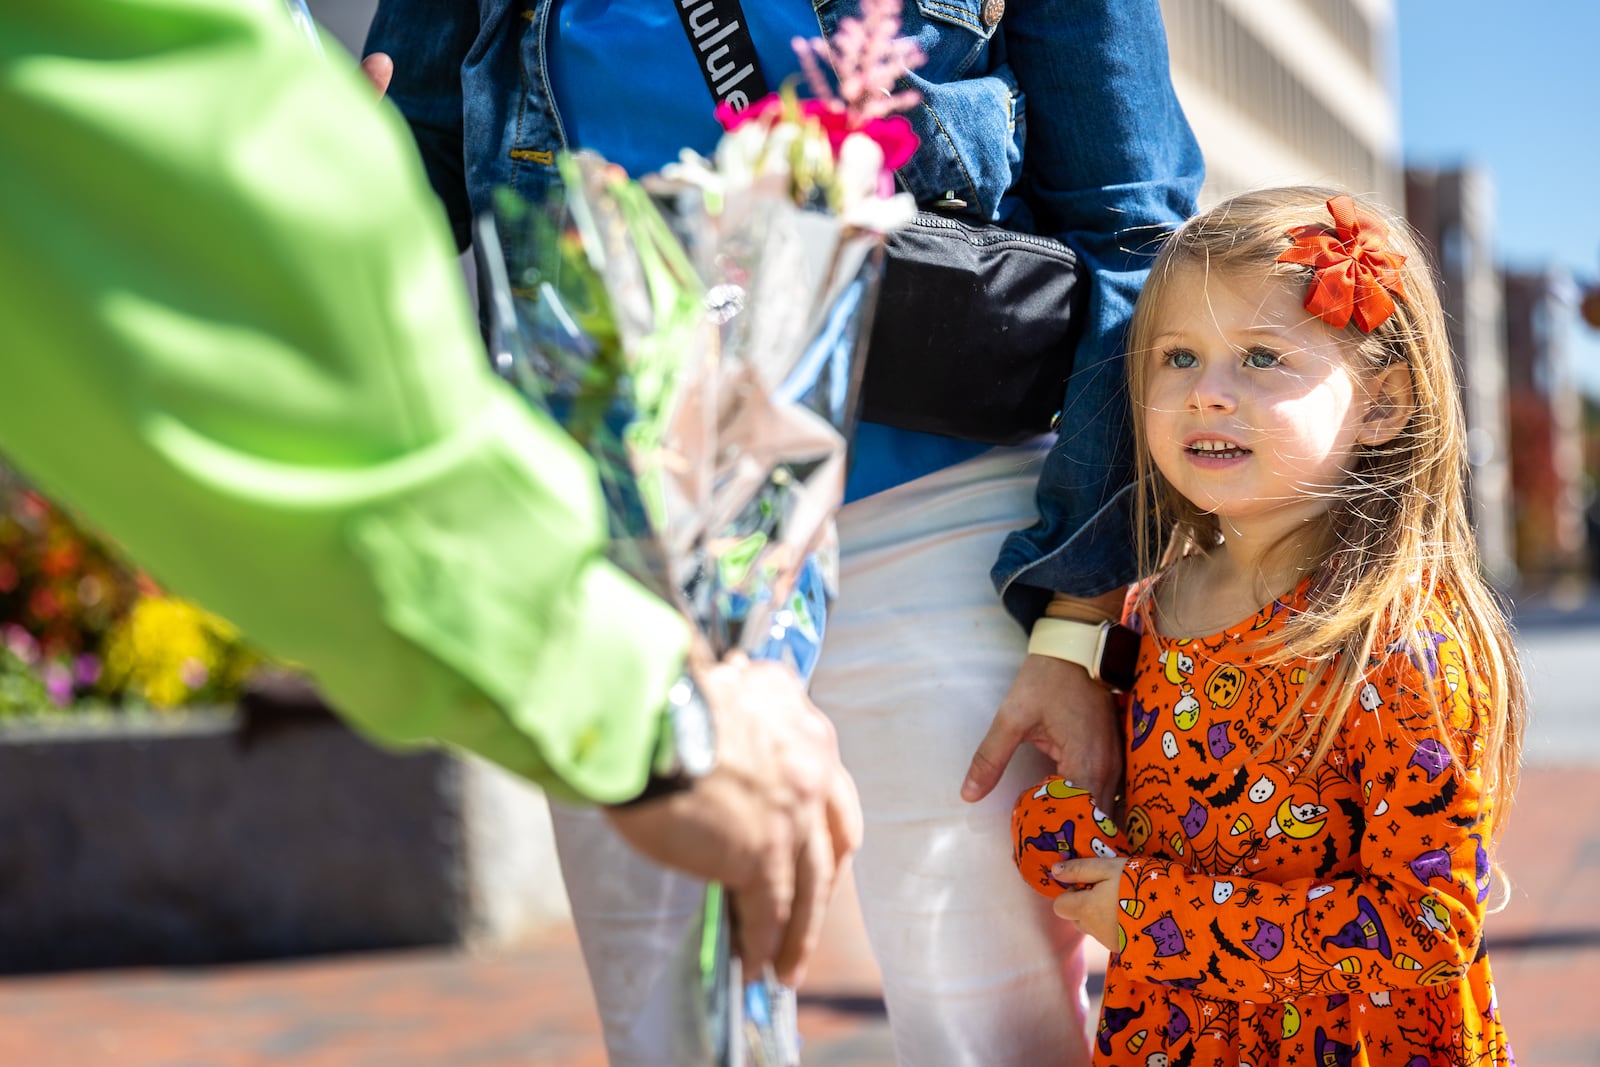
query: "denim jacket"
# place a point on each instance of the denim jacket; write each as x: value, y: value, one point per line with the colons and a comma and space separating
x: 1053, y: 116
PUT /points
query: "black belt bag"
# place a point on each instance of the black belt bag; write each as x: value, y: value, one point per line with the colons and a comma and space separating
x: 974, y: 328
x: 974, y: 331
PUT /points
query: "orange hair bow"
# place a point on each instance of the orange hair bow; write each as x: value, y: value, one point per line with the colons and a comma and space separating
x: 1355, y: 273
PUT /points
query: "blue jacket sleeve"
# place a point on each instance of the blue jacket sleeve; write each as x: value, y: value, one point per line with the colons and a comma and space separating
x: 1110, y: 166
x: 429, y: 40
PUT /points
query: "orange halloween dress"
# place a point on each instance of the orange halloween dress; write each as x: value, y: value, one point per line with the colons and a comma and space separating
x: 1278, y: 913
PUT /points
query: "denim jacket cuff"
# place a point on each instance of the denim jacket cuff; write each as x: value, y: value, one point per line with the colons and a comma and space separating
x: 1096, y: 559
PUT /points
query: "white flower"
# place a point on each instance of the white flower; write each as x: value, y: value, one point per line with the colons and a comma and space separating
x: 882, y: 214
x: 743, y: 152
x: 860, y: 163
x: 694, y: 169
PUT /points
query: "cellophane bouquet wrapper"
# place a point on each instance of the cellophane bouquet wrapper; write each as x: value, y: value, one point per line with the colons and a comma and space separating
x: 703, y: 341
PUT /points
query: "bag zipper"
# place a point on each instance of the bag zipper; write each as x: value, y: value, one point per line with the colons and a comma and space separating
x: 993, y: 236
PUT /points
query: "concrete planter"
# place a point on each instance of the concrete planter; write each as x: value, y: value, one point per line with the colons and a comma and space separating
x: 174, y: 843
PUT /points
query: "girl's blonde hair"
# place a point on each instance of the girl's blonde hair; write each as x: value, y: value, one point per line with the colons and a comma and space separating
x: 1397, y: 530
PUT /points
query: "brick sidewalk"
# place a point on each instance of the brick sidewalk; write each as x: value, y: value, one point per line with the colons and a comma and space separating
x: 1545, y: 946
x: 532, y: 1006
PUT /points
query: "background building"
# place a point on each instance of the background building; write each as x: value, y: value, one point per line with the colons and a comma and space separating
x: 1453, y: 212
x: 1292, y: 91
x: 1546, y: 417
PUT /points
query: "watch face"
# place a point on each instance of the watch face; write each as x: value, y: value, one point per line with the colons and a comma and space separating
x: 1120, y: 658
x: 692, y: 732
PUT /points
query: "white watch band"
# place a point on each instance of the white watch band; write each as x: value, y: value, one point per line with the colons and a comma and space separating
x: 1076, y: 642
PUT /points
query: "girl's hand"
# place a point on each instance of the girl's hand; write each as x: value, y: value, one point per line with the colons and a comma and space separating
x: 1094, y: 908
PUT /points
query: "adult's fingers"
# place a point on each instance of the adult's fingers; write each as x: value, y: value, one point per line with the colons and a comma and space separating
x: 1089, y: 751
x: 814, y: 871
x: 762, y: 909
x: 990, y: 760
x: 844, y: 816
x: 379, y: 69
x: 1098, y: 776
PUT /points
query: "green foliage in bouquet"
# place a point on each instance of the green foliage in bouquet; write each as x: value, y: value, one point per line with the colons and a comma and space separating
x: 607, y: 332
x: 559, y: 291
x: 81, y: 627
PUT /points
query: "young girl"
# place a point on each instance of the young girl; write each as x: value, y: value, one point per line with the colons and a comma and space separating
x: 1325, y: 728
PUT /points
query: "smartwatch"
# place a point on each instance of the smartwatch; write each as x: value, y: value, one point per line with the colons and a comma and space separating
x: 686, y: 742
x: 1109, y: 651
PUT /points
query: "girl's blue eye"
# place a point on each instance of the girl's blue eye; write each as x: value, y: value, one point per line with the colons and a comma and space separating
x: 1261, y: 358
x: 1179, y: 357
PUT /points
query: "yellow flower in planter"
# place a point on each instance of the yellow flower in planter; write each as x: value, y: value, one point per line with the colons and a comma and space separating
x: 169, y: 652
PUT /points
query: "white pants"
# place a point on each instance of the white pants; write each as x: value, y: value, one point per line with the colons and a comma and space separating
x: 917, y: 657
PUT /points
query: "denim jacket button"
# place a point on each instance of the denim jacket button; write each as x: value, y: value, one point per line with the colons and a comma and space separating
x: 992, y: 10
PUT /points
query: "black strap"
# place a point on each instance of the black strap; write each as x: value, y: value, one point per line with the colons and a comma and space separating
x: 724, y: 50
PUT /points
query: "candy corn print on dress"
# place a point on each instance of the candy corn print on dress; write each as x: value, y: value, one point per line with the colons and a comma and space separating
x: 1273, y: 912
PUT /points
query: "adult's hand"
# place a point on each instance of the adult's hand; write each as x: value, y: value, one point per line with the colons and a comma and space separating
x: 774, y: 822
x: 379, y: 69
x: 1068, y: 716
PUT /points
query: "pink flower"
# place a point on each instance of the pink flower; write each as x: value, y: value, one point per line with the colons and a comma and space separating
x: 896, y: 137
x: 868, y: 57
x: 21, y: 643
x: 892, y: 133
x: 58, y: 683
x: 194, y: 673
x: 869, y: 61
x: 771, y: 104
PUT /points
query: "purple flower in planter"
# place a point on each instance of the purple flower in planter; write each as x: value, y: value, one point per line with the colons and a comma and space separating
x: 86, y: 670
x: 58, y: 683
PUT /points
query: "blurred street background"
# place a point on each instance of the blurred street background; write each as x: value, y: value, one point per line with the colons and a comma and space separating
x: 185, y: 889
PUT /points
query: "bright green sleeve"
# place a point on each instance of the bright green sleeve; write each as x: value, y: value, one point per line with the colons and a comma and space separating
x: 235, y: 338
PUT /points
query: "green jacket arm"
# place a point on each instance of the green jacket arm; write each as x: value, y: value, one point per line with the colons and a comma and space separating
x: 236, y: 341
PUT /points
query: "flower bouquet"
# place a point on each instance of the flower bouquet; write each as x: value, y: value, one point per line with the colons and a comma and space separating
x: 700, y: 334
